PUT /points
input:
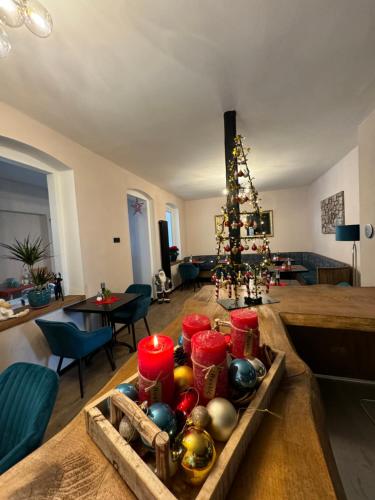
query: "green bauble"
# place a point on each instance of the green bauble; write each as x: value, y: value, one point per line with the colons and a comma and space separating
x: 223, y: 418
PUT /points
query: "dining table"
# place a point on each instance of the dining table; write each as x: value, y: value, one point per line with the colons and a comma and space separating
x: 106, y: 308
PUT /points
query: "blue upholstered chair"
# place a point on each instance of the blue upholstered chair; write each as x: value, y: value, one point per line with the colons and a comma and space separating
x: 133, y: 312
x: 189, y: 273
x: 68, y: 341
x: 27, y: 396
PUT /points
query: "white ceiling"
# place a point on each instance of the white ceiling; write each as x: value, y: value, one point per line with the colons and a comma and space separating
x: 145, y: 84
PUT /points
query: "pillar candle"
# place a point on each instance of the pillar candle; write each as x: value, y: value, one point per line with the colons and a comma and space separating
x: 245, y: 333
x: 209, y: 357
x: 191, y: 324
x: 155, y: 367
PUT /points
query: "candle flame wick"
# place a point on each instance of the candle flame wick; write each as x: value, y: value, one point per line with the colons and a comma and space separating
x: 156, y: 341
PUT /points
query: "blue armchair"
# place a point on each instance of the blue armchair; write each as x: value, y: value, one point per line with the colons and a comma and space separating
x: 27, y: 396
x: 133, y: 312
x: 68, y: 341
x: 189, y: 273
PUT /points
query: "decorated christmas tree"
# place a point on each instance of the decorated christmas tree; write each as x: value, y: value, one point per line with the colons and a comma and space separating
x: 240, y: 229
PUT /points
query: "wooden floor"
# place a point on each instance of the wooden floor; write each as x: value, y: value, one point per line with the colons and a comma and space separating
x: 69, y: 403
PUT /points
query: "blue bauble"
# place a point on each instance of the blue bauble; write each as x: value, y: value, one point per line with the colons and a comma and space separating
x: 242, y: 374
x: 129, y: 390
x: 163, y: 416
x: 181, y: 340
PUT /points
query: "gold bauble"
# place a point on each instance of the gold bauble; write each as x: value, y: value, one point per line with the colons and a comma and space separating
x: 183, y: 377
x: 200, y: 417
x: 199, y: 455
x: 223, y: 418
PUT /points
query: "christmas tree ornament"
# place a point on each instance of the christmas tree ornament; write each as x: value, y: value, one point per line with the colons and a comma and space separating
x: 198, y: 455
x: 242, y: 375
x: 200, y: 417
x: 180, y: 356
x: 185, y: 402
x: 259, y: 368
x: 223, y: 418
x: 163, y: 416
x: 129, y: 390
x: 127, y: 430
x: 183, y: 378
x: 180, y: 340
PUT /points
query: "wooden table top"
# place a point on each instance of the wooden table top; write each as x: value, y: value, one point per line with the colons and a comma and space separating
x: 288, y: 459
x: 294, y: 268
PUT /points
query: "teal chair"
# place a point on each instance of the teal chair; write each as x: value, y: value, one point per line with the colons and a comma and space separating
x: 133, y: 312
x: 27, y: 396
x: 188, y: 273
x: 66, y: 340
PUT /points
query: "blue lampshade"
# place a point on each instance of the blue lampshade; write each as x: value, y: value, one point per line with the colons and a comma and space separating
x: 347, y: 233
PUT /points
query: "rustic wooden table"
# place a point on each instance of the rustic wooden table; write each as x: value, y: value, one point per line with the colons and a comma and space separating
x: 288, y: 459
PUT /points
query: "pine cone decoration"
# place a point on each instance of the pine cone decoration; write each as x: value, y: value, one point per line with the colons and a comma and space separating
x: 180, y: 357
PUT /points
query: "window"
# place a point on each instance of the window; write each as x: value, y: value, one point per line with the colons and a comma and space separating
x: 173, y: 221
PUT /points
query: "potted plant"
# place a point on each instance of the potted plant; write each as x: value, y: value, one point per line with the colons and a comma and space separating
x: 30, y: 252
x: 173, y: 253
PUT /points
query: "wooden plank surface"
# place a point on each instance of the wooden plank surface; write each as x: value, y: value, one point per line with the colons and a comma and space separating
x: 37, y: 313
x: 287, y: 459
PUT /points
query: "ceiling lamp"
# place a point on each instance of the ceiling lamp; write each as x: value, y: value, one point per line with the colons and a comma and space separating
x: 15, y: 13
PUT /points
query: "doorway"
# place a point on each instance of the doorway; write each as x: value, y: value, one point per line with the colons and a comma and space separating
x: 139, y: 216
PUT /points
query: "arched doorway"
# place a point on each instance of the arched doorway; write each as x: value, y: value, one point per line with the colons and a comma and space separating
x: 140, y: 231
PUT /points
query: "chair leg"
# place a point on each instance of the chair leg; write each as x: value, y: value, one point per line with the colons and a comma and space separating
x: 80, y: 366
x: 147, y: 327
x: 194, y: 285
x: 59, y: 365
x: 133, y: 332
x: 109, y: 354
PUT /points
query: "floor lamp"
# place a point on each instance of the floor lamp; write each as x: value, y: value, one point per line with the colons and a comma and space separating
x: 350, y: 233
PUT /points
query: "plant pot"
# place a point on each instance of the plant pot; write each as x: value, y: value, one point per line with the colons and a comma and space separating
x: 173, y: 257
x: 39, y: 298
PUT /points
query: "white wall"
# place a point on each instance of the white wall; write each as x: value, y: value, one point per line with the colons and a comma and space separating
x: 290, y: 216
x: 344, y: 176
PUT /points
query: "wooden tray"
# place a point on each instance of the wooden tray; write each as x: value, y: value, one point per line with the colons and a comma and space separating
x: 139, y: 474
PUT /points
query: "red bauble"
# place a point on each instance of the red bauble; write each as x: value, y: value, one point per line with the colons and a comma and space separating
x: 185, y: 403
x: 254, y: 247
x: 227, y: 248
x: 240, y: 223
x: 227, y: 223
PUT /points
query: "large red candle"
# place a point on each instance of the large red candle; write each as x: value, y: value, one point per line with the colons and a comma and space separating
x: 191, y: 324
x: 245, y: 333
x: 209, y: 356
x: 155, y: 367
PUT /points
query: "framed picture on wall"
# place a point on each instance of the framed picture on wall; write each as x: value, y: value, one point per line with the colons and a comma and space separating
x: 255, y: 228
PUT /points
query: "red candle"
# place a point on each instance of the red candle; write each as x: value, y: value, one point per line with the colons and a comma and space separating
x: 245, y: 333
x: 209, y: 356
x: 155, y: 367
x: 191, y: 324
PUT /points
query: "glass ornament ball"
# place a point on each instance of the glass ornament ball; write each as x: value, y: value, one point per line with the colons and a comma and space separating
x: 129, y: 390
x: 5, y: 46
x: 242, y: 374
x: 11, y: 13
x: 37, y: 19
x: 163, y: 416
x: 223, y: 419
x: 198, y: 455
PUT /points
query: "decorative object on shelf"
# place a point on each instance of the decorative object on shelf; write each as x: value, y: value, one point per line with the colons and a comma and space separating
x: 252, y: 226
x: 242, y: 375
x: 173, y: 253
x: 198, y: 455
x: 244, y: 333
x: 183, y: 378
x: 163, y: 286
x: 57, y: 280
x: 137, y: 206
x: 155, y: 367
x: 230, y: 274
x: 350, y: 232
x: 6, y: 311
x: 369, y: 231
x: 332, y: 212
x: 209, y: 357
x: 223, y: 418
x: 12, y: 283
x: 30, y: 252
x: 191, y: 324
x: 15, y: 13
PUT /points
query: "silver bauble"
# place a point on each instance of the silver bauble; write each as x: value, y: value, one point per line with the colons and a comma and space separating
x: 127, y: 429
x: 259, y: 368
x: 223, y: 418
x: 200, y: 417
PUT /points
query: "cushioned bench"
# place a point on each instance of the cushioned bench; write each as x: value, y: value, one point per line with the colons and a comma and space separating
x: 321, y: 269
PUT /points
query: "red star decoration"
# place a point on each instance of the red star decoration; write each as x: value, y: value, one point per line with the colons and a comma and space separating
x: 137, y: 206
